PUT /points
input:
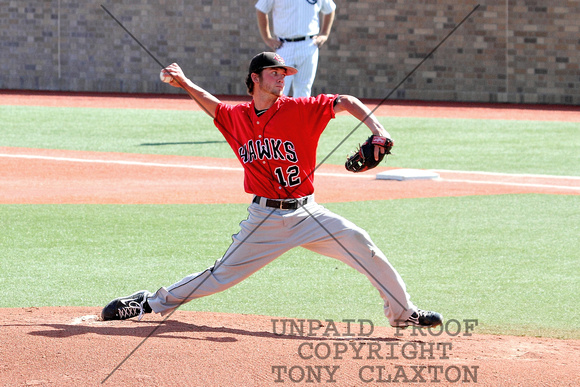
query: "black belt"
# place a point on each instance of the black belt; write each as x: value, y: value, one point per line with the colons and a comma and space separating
x: 283, y: 204
x: 296, y: 39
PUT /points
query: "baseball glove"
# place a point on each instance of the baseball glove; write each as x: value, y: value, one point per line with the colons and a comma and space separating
x: 364, y: 159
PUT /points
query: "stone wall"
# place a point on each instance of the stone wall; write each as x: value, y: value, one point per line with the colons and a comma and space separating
x: 519, y: 51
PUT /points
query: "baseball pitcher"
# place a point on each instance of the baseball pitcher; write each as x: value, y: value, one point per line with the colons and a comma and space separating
x: 275, y: 138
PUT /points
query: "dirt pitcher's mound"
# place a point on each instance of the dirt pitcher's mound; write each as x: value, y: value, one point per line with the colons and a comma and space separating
x: 71, y: 347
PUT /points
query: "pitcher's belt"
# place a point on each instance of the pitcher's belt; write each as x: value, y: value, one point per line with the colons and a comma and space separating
x: 291, y: 204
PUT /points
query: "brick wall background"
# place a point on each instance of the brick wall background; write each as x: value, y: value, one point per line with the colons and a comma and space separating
x: 520, y: 51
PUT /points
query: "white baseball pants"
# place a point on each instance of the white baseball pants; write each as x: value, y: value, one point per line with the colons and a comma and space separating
x: 304, y: 56
x: 268, y: 233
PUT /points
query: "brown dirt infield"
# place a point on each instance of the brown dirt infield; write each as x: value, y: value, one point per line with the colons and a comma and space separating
x: 65, y: 346
x: 68, y: 347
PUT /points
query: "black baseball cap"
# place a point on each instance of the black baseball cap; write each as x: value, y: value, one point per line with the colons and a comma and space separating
x: 266, y: 60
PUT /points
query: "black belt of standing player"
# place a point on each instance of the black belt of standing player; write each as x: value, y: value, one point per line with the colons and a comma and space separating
x: 296, y: 39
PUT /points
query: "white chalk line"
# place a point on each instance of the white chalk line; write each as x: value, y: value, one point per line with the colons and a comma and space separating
x: 365, y: 176
x: 120, y: 162
x: 512, y: 184
x: 150, y: 164
x: 508, y: 174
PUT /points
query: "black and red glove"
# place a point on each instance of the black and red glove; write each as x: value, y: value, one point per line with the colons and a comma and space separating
x: 364, y: 159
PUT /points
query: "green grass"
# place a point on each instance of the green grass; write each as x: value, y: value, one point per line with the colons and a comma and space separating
x: 509, y: 261
x: 473, y: 145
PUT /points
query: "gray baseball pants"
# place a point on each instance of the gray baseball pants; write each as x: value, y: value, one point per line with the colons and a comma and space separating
x: 268, y: 233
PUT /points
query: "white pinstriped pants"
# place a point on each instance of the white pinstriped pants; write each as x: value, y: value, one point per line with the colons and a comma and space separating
x: 304, y: 56
x: 268, y: 233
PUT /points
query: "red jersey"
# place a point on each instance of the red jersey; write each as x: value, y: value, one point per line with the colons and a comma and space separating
x: 278, y: 148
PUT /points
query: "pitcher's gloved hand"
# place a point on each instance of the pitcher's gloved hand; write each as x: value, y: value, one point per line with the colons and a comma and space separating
x: 364, y: 159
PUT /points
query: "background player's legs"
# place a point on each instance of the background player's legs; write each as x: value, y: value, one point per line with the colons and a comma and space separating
x: 288, y: 85
x: 287, y: 52
x: 304, y: 56
x: 307, y: 61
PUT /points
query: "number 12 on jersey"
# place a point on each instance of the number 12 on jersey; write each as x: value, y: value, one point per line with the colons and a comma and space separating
x: 291, y: 178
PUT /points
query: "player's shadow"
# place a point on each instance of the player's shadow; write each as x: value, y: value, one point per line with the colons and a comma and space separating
x: 173, y: 329
x: 182, y: 143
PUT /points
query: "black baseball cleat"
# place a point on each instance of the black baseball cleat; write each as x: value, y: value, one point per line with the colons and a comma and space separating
x: 422, y: 319
x: 123, y: 308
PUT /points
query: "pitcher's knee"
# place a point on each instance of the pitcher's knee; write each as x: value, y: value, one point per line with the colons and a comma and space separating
x: 360, y: 236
